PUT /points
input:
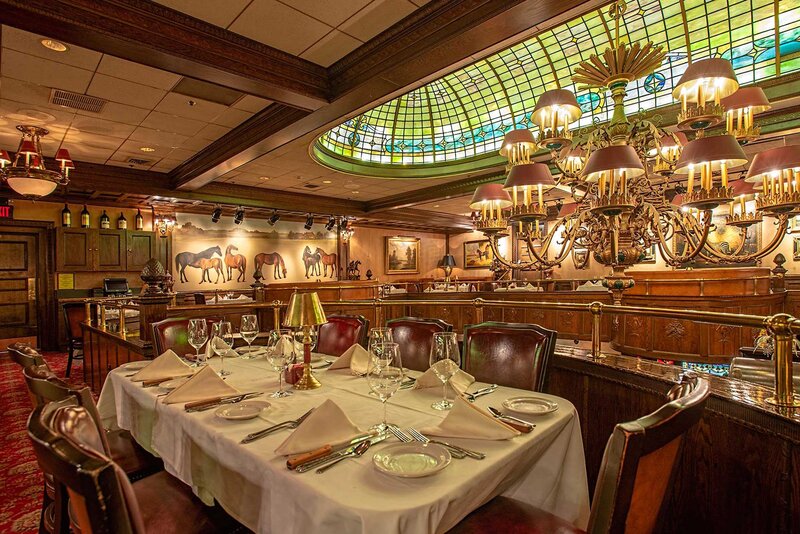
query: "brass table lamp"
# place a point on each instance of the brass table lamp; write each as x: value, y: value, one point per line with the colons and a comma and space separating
x: 305, y: 311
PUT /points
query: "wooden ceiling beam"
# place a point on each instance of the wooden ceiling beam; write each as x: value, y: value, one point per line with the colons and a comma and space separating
x: 154, y: 35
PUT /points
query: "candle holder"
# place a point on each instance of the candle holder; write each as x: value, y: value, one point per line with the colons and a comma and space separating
x: 742, y: 220
x: 305, y: 311
x: 707, y: 199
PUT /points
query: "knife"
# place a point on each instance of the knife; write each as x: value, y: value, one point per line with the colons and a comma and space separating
x: 299, y: 459
x: 373, y: 439
x: 480, y: 393
x: 200, y: 406
x: 157, y: 381
x: 518, y: 424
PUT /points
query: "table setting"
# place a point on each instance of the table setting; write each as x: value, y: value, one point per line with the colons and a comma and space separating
x: 359, y: 464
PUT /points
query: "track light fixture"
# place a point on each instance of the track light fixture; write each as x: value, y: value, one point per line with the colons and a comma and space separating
x: 331, y: 223
x: 344, y: 223
x: 238, y: 217
x: 274, y: 218
x: 216, y: 214
x: 309, y: 222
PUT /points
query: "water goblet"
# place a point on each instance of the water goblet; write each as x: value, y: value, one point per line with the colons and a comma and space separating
x: 385, y: 376
x: 197, y: 337
x: 279, y: 358
x: 377, y: 337
x: 222, y: 342
x: 445, y: 359
x: 249, y: 331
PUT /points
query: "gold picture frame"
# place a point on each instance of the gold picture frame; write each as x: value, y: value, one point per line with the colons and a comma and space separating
x: 402, y: 255
x: 478, y: 254
x: 796, y: 248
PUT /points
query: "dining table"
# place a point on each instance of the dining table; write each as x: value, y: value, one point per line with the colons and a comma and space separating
x: 545, y: 467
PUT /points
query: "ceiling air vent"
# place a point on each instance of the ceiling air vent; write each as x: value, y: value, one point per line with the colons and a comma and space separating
x: 311, y: 186
x: 69, y: 99
x: 137, y: 161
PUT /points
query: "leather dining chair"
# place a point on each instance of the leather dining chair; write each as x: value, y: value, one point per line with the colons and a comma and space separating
x: 24, y: 355
x: 516, y: 355
x: 340, y: 333
x: 414, y: 336
x: 102, y: 498
x: 634, y: 480
x: 173, y: 333
x: 74, y: 315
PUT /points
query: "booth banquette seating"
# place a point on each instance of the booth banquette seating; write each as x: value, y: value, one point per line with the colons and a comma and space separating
x: 414, y: 336
x: 510, y: 354
x: 340, y: 333
x: 634, y: 479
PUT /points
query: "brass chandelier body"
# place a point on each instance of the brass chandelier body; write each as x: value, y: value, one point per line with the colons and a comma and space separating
x: 624, y: 211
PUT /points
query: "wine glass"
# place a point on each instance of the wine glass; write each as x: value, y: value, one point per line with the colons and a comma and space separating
x: 249, y: 331
x: 279, y: 358
x: 445, y: 360
x: 222, y: 342
x: 197, y: 337
x: 298, y: 341
x: 377, y: 337
x: 385, y: 375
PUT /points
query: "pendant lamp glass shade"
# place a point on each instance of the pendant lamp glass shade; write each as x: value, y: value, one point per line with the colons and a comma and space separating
x: 31, y: 187
x: 487, y: 194
x: 716, y: 150
x: 773, y: 162
x: 531, y: 174
x: 27, y: 174
x: 617, y: 158
x: 554, y: 107
x: 706, y: 79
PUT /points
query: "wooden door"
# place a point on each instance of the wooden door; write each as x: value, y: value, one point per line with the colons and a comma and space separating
x: 141, y: 247
x: 110, y: 251
x: 18, y: 285
x: 75, y: 249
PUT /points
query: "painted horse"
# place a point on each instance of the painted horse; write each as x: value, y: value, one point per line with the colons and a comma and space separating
x: 311, y: 261
x: 235, y: 261
x: 192, y: 259
x: 327, y: 260
x: 274, y: 259
x: 207, y: 265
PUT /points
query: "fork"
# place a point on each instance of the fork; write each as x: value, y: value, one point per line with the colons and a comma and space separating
x: 455, y: 450
x: 286, y: 424
x: 399, y: 434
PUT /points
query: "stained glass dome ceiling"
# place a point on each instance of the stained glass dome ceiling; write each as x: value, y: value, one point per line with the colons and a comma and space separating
x: 463, y: 116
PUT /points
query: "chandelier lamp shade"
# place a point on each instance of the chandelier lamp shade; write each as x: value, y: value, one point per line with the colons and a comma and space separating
x: 490, y: 200
x: 740, y: 107
x: 27, y: 174
x: 700, y: 160
x: 775, y: 172
x: 555, y: 110
x: 527, y: 185
x: 518, y: 145
x: 701, y: 89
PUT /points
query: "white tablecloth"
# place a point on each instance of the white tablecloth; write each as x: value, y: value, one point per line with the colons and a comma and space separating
x: 545, y: 468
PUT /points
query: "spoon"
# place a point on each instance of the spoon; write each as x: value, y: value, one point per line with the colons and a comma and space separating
x: 360, y: 449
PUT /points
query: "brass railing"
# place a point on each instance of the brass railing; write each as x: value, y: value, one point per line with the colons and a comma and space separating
x: 782, y: 327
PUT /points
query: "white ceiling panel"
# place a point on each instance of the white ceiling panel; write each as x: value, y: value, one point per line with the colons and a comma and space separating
x: 376, y: 17
x: 171, y: 123
x: 44, y: 71
x: 30, y: 43
x: 125, y: 92
x: 334, y: 46
x: 278, y: 25
x: 212, y: 11
x: 134, y: 72
x: 201, y: 110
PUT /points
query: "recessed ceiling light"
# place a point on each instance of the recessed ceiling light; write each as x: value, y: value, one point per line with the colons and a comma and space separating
x: 147, y: 149
x: 265, y: 178
x: 436, y: 205
x: 55, y: 46
x: 355, y: 192
x: 327, y: 182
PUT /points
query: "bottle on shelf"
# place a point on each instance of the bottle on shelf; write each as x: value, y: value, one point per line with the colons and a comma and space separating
x: 85, y: 218
x: 138, y: 222
x: 105, y: 221
x: 66, y: 217
x: 122, y: 222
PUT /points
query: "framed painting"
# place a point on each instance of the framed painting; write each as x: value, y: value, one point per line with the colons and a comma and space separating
x: 796, y: 248
x: 402, y: 255
x: 649, y: 254
x: 725, y: 239
x: 478, y: 254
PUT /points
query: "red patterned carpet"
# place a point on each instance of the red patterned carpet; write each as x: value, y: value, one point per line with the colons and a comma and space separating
x: 20, y: 480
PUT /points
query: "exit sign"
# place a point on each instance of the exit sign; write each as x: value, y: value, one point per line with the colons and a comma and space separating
x: 6, y: 210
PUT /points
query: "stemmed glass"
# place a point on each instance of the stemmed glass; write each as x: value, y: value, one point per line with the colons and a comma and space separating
x: 279, y: 359
x: 249, y: 331
x: 198, y: 335
x: 222, y: 342
x: 377, y: 337
x: 444, y: 349
x: 385, y: 375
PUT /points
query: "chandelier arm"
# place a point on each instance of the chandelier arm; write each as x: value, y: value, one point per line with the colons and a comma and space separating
x: 675, y: 259
x: 783, y: 220
x: 566, y: 247
x: 495, y: 250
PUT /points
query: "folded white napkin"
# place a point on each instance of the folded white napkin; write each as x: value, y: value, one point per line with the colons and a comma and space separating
x: 356, y: 358
x: 284, y: 345
x: 327, y: 424
x: 217, y: 342
x: 206, y: 384
x: 466, y: 420
x: 458, y: 382
x: 244, y: 297
x: 168, y: 365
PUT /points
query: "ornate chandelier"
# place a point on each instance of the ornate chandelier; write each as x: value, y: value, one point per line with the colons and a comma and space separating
x: 620, y: 174
x: 27, y: 174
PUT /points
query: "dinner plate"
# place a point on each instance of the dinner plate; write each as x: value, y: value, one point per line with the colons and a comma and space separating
x: 242, y: 410
x: 530, y: 405
x: 134, y: 366
x: 411, y: 460
x: 174, y: 383
x: 253, y: 349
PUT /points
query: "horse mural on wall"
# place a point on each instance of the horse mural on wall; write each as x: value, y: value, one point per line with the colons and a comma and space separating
x: 235, y: 261
x: 311, y: 260
x: 271, y: 258
x: 207, y: 265
x: 327, y: 260
x: 192, y: 259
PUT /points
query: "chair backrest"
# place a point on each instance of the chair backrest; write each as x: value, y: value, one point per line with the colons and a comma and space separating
x: 340, y: 333
x: 199, y: 298
x: 173, y: 333
x: 640, y: 459
x: 414, y: 336
x: 510, y: 354
x: 74, y: 315
x: 66, y: 444
x: 761, y: 372
x: 24, y: 355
